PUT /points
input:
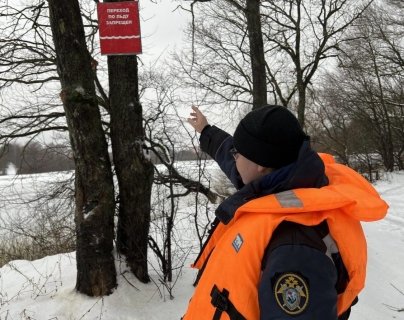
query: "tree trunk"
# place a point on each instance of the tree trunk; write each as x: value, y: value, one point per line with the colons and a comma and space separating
x: 253, y: 17
x: 301, y: 107
x: 300, y: 81
x: 94, y: 194
x: 134, y: 171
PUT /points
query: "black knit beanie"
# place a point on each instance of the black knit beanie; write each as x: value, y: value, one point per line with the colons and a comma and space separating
x: 270, y: 136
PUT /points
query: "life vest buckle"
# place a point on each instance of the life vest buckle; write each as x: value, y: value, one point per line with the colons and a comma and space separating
x: 222, y: 303
x: 219, y: 300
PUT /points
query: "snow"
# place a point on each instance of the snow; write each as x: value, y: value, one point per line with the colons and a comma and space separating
x: 11, y: 169
x: 80, y: 90
x: 44, y: 289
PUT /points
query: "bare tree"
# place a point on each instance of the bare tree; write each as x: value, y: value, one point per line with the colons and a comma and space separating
x: 133, y: 169
x: 27, y: 65
x: 343, y: 133
x: 77, y: 72
x: 303, y: 34
x: 251, y: 10
x: 21, y: 54
x: 368, y: 88
x: 174, y: 182
x: 330, y: 126
x: 94, y: 192
x: 30, y: 106
x: 297, y: 37
x: 237, y: 72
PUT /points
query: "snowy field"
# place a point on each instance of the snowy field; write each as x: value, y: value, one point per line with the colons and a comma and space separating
x: 44, y: 289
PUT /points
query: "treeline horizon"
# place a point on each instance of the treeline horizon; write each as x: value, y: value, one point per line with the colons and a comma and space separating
x: 53, y: 157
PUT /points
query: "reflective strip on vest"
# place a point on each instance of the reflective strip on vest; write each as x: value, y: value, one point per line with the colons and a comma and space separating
x: 288, y: 199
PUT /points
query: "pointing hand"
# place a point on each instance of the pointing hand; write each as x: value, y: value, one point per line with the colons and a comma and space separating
x: 197, y: 119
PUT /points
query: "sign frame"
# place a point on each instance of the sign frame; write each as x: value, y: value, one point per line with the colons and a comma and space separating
x: 119, y: 28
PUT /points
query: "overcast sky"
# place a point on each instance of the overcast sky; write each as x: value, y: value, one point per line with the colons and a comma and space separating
x: 162, y: 27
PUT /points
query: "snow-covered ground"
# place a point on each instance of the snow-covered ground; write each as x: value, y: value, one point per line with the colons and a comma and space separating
x: 44, y: 289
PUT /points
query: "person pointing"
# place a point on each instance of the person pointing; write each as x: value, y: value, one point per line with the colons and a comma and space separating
x: 289, y: 243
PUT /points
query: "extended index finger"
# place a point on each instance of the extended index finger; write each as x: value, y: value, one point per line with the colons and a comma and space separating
x: 196, y: 109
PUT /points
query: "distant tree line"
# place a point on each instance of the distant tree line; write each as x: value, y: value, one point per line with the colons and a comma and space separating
x: 38, y: 158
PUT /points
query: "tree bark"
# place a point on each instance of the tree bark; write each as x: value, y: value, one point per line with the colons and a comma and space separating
x: 94, y: 194
x: 134, y: 170
x: 252, y: 13
x: 301, y: 106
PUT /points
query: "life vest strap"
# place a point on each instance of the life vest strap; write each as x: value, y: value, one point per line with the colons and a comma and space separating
x: 222, y: 303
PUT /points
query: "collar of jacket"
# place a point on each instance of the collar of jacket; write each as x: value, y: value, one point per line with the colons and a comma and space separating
x: 307, y: 172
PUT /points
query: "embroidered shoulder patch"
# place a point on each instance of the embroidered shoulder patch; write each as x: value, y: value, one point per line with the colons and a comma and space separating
x: 237, y: 242
x: 291, y: 293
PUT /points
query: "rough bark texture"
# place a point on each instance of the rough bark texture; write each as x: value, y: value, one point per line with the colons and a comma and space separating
x: 96, y: 274
x: 301, y: 107
x: 133, y: 170
x: 252, y: 13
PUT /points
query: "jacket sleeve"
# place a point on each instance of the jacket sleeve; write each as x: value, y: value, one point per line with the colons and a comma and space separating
x: 298, y: 282
x: 217, y: 143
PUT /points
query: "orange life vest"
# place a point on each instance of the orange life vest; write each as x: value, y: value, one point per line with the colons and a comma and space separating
x: 347, y: 200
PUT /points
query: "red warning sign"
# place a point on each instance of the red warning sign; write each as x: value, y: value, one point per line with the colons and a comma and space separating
x: 119, y: 28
